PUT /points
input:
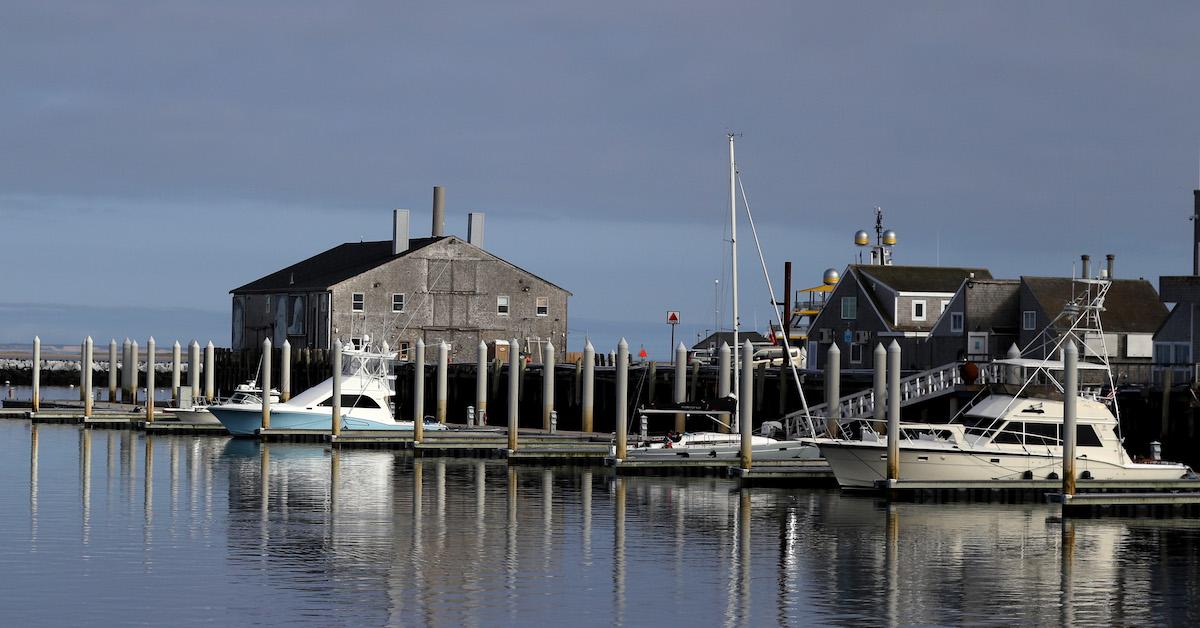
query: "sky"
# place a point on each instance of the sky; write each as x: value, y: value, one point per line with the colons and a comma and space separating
x: 158, y: 154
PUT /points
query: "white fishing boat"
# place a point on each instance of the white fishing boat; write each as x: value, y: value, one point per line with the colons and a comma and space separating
x: 1004, y: 435
x: 198, y: 410
x: 366, y: 400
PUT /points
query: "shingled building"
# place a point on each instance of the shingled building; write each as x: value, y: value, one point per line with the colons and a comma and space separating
x: 436, y: 288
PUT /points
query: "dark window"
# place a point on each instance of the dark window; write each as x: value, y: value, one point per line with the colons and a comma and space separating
x: 357, y: 300
x: 1085, y: 436
x: 353, y: 401
x: 1041, y: 434
x: 1011, y: 434
x: 398, y: 302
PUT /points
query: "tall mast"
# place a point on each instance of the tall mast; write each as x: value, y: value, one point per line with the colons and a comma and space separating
x: 733, y: 242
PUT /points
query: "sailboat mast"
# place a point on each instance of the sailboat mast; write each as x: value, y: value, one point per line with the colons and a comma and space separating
x: 733, y: 242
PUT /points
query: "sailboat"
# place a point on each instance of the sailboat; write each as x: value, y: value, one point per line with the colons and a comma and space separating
x: 710, y: 444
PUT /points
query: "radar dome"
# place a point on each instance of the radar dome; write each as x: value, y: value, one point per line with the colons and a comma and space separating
x: 861, y: 238
x: 889, y: 237
x: 831, y: 277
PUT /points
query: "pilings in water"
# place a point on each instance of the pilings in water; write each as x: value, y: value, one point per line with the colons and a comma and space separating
x: 622, y: 419
x: 150, y: 353
x: 746, y: 403
x: 194, y: 368
x: 210, y: 374
x: 133, y: 371
x: 176, y: 369
x: 680, y: 386
x: 112, y: 371
x: 443, y: 361
x: 86, y: 368
x: 125, y: 371
x: 37, y: 373
x: 266, y: 384
x: 514, y: 383
x: 833, y: 381
x: 589, y: 386
x: 335, y: 427
x: 419, y: 393
x: 723, y: 386
x: 1070, y: 397
x: 481, y: 382
x: 547, y: 385
x: 285, y: 372
x: 893, y: 419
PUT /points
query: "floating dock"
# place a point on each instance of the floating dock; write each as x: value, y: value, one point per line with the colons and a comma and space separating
x: 1025, y: 490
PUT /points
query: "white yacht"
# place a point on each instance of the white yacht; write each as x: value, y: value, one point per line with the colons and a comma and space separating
x: 719, y: 446
x: 198, y: 411
x: 367, y: 390
x: 1007, y: 435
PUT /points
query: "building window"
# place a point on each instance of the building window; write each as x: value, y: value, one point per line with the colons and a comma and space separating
x: 1029, y: 320
x: 856, y: 353
x: 849, y: 308
x: 356, y: 343
x: 543, y: 306
x: 956, y: 322
x: 403, y: 354
x: 398, y: 302
x: 1182, y: 353
x: 918, y: 310
x: 945, y: 303
x: 357, y: 300
x: 502, y: 305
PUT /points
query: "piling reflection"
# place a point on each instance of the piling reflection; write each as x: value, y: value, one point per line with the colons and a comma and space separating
x: 393, y: 539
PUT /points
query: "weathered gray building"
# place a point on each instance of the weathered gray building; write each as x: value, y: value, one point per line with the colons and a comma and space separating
x: 979, y: 324
x: 436, y: 288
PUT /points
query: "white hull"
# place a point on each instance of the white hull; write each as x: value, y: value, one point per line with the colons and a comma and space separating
x: 859, y: 465
x: 723, y: 447
x: 200, y: 416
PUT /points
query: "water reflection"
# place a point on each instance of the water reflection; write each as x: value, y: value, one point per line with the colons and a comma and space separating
x: 300, y: 533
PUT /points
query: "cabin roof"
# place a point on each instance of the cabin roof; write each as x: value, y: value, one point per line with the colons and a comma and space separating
x: 1131, y: 305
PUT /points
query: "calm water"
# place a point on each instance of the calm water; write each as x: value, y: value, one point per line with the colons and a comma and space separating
x: 112, y: 527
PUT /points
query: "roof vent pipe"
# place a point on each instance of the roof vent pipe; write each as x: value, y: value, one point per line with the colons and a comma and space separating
x: 1087, y: 259
x: 1110, y: 257
x: 399, y: 231
x: 475, y: 228
x: 439, y: 211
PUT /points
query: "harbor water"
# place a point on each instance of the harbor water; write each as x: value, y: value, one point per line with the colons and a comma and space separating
x: 118, y: 528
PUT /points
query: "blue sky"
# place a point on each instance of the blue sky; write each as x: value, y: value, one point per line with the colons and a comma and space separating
x: 158, y: 154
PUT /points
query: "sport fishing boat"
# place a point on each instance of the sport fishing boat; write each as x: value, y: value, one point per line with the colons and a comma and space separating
x: 1013, y: 430
x: 366, y: 400
x: 199, y: 413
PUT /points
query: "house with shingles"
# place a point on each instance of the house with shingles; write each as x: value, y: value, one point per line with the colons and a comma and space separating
x: 439, y: 288
x: 1132, y: 314
x: 979, y: 324
x: 877, y: 304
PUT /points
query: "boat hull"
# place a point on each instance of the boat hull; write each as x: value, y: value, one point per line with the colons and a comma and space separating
x: 778, y: 450
x: 197, y: 416
x: 247, y: 421
x: 859, y: 465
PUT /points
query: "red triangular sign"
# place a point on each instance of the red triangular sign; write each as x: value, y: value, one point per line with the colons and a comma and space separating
x: 642, y: 353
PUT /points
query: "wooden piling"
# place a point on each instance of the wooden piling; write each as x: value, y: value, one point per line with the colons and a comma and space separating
x: 134, y: 367
x: 194, y: 368
x: 893, y: 418
x: 150, y: 352
x: 210, y: 373
x: 112, y: 370
x: 833, y: 376
x: 481, y: 384
x: 87, y: 377
x: 589, y: 386
x: 176, y: 369
x: 1070, y: 398
x: 36, y: 400
x: 266, y: 384
x: 419, y: 392
x: 547, y: 384
x: 622, y: 401
x: 514, y: 383
x: 746, y: 404
x: 442, y: 365
x: 335, y: 425
x: 285, y: 371
x: 680, y: 391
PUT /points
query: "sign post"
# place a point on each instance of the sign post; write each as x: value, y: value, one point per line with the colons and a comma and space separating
x: 672, y: 320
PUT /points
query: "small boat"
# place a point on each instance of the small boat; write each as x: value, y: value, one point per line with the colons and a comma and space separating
x: 367, y: 390
x: 199, y: 412
x: 719, y: 446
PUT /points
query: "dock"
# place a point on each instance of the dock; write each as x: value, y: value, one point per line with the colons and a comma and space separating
x: 1005, y: 491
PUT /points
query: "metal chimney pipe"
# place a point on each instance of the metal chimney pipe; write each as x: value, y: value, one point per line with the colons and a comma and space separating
x: 1087, y: 266
x: 399, y: 231
x: 439, y: 211
x: 1110, y: 258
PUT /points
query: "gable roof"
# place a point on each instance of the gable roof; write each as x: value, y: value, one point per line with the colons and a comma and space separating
x: 325, y: 269
x: 715, y: 339
x: 921, y: 278
x: 1131, y: 305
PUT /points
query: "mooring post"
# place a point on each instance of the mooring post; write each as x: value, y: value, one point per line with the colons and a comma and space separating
x: 680, y: 386
x: 651, y: 383
x: 87, y: 377
x: 419, y: 392
x: 335, y: 425
x: 589, y: 385
x: 879, y: 389
x: 1014, y: 371
x: 893, y: 418
x: 723, y: 386
x: 194, y: 368
x: 112, y: 370
x: 210, y: 372
x: 622, y: 400
x: 547, y: 385
x: 576, y: 383
x: 481, y: 383
x: 125, y: 371
x: 36, y: 400
x: 514, y: 391
x: 150, y: 349
x: 745, y: 403
x: 266, y: 384
x: 833, y: 391
x: 82, y: 373
x: 1070, y: 397
x: 285, y: 371
x: 134, y: 367
x: 176, y: 369
x: 442, y: 366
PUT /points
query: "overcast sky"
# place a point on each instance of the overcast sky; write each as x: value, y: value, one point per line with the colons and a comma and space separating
x: 157, y: 154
